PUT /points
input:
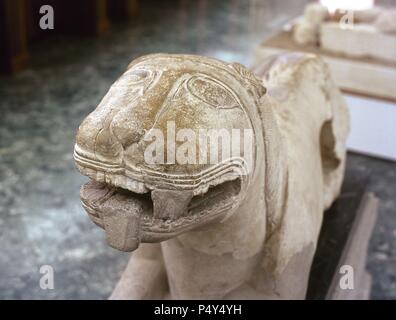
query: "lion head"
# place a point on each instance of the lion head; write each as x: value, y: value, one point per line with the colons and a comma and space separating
x: 171, y: 147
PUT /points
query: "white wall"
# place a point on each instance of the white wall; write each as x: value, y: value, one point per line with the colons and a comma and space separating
x: 373, y: 127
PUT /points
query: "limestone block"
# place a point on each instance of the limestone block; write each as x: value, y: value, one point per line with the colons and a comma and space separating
x: 368, y: 15
x: 363, y: 40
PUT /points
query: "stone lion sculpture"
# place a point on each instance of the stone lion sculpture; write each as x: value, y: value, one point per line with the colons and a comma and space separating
x: 243, y: 224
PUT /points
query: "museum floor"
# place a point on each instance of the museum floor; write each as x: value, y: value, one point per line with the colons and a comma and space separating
x: 41, y: 219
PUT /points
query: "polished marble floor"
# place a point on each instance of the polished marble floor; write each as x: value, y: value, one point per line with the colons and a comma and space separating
x: 41, y: 220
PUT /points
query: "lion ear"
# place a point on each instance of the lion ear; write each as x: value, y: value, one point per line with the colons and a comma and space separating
x: 253, y: 84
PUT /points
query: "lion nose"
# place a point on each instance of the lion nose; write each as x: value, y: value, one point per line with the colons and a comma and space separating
x: 128, y: 126
x: 95, y: 137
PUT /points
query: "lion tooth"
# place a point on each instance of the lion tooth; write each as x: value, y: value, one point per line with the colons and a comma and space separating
x: 135, y: 186
x: 141, y: 187
x: 130, y: 185
x: 170, y: 204
x: 100, y: 176
x: 119, y: 180
x: 108, y: 178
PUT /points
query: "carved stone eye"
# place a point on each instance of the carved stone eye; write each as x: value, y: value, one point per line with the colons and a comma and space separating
x: 138, y: 75
x: 212, y: 93
x: 135, y: 77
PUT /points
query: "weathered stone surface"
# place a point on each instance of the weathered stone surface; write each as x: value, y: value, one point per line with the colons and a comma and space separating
x: 251, y: 226
x: 363, y: 40
x: 386, y: 21
x: 316, y: 13
x: 306, y: 31
x: 351, y: 33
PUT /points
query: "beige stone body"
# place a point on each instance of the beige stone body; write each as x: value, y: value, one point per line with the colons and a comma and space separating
x: 261, y: 247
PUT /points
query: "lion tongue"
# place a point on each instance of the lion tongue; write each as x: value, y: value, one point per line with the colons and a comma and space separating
x: 121, y: 219
x: 170, y: 204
